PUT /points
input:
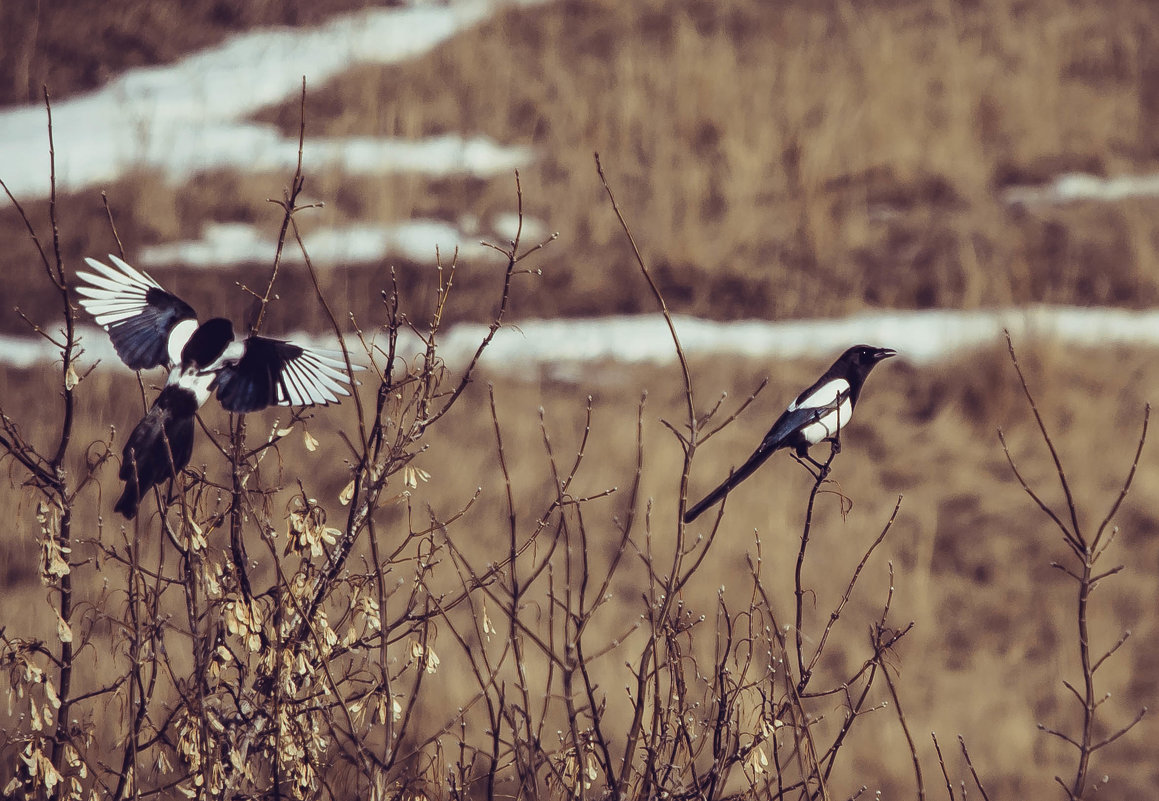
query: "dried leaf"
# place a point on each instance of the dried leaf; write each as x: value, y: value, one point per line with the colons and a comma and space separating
x: 757, y: 762
x: 63, y: 630
x: 411, y: 476
x: 488, y: 626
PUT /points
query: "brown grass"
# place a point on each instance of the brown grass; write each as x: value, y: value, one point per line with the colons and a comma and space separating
x: 806, y: 162
x: 818, y: 160
x: 994, y: 624
x: 79, y: 45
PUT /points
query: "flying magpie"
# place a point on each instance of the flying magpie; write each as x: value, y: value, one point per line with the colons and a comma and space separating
x: 817, y: 414
x: 150, y: 327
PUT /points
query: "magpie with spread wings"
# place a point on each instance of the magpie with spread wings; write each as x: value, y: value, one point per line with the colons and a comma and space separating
x: 818, y: 413
x: 150, y: 327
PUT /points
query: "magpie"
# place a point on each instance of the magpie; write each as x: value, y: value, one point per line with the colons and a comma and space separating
x: 817, y: 414
x: 150, y: 327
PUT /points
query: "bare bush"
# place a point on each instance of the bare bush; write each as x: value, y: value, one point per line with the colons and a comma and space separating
x: 1084, y: 552
x: 325, y: 667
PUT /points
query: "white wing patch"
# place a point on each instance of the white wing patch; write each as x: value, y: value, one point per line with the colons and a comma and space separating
x: 231, y: 355
x: 265, y: 372
x: 177, y: 339
x: 314, y: 377
x: 112, y: 295
x: 825, y: 395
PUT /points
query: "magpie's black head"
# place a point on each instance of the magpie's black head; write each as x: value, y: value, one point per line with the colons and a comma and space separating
x: 866, y: 356
x: 208, y: 342
x: 856, y: 362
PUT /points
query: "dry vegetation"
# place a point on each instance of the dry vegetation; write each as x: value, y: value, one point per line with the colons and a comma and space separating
x: 799, y: 185
x: 813, y: 160
x: 810, y: 161
x: 994, y: 626
x: 546, y: 538
x: 45, y: 45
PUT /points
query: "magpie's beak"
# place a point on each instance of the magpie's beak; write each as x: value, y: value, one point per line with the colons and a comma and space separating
x: 884, y: 353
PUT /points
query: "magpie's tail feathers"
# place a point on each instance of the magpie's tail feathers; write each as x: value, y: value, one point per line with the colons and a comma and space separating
x: 735, y: 477
x: 146, y: 458
x: 129, y: 500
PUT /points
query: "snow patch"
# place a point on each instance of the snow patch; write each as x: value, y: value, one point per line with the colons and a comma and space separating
x: 1075, y: 186
x: 921, y: 337
x: 189, y: 116
x: 230, y: 244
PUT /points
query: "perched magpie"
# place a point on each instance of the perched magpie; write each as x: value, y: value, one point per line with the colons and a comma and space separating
x: 817, y: 414
x: 150, y: 327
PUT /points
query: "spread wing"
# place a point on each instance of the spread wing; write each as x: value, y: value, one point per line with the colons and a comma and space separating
x: 136, y: 311
x: 261, y: 372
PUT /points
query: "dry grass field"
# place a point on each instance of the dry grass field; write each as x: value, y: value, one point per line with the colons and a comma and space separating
x: 994, y: 633
x: 812, y: 160
x: 815, y: 159
x: 46, y: 47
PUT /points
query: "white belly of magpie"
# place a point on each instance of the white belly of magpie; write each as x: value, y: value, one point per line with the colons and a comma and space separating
x: 828, y: 425
x: 194, y: 382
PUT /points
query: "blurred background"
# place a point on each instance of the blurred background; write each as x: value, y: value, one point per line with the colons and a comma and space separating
x: 886, y: 171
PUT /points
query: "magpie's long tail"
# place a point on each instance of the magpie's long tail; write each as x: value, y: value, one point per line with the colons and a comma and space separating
x: 166, y: 431
x: 735, y: 477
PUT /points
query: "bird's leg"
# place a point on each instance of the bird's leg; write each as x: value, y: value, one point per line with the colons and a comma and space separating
x: 821, y: 466
x: 834, y: 449
x: 818, y: 470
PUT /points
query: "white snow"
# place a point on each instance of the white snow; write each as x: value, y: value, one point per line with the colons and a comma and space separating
x: 227, y: 244
x: 190, y: 115
x: 25, y: 352
x: 922, y: 337
x: 1076, y: 186
x: 507, y: 225
x: 231, y: 244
